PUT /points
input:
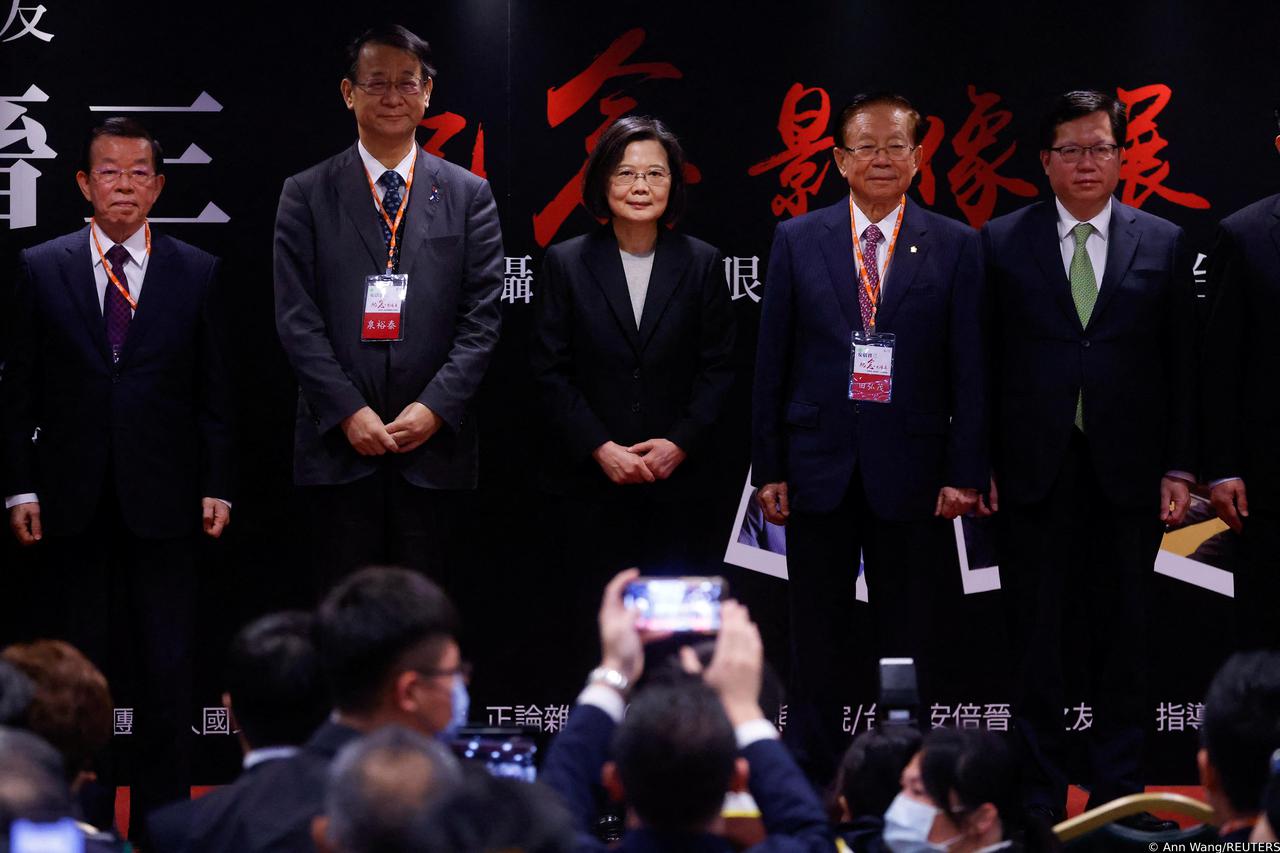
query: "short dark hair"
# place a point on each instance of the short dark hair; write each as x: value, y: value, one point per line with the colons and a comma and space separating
x: 32, y: 786
x: 879, y: 99
x: 375, y: 623
x: 127, y: 128
x: 72, y: 705
x: 608, y: 153
x: 1073, y: 105
x: 491, y: 813
x: 1241, y: 726
x: 273, y: 677
x: 870, y: 774
x: 391, y: 35
x: 675, y: 752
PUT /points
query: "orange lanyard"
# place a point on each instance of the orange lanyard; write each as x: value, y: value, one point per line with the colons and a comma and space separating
x: 873, y: 293
x: 106, y: 264
x: 404, y: 205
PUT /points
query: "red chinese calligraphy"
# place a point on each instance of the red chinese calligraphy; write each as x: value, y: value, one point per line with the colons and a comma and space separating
x: 1142, y: 171
x: 975, y: 181
x: 444, y: 127
x: 801, y: 131
x: 928, y: 147
x: 565, y: 101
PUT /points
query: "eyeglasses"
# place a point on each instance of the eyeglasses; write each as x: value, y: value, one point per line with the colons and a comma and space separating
x: 463, y: 668
x: 109, y: 177
x: 1101, y: 152
x: 378, y: 88
x: 894, y: 151
x: 653, y: 177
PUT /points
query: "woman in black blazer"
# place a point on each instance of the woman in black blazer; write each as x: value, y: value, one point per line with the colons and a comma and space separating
x: 631, y: 355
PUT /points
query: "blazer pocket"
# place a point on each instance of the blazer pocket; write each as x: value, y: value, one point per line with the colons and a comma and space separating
x: 800, y: 414
x: 927, y: 423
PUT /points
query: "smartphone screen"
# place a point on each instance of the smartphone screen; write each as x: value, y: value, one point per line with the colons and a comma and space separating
x: 505, y: 753
x: 60, y: 837
x: 676, y: 605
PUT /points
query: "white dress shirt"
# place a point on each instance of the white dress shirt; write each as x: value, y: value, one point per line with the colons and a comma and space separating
x: 1095, y: 246
x: 375, y: 169
x: 860, y: 224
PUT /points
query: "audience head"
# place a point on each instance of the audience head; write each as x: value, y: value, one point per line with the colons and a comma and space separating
x: 1269, y: 821
x: 32, y: 782
x: 487, y: 814
x: 1240, y: 731
x: 16, y: 692
x: 379, y: 786
x: 274, y: 686
x: 675, y: 756
x: 870, y: 774
x: 71, y: 707
x: 959, y: 791
x: 386, y: 639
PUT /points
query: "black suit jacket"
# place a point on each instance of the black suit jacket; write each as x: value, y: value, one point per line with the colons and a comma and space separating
x: 327, y: 240
x: 805, y: 429
x: 600, y: 378
x: 1135, y: 360
x: 267, y: 810
x: 793, y: 817
x: 154, y: 427
x: 1241, y: 352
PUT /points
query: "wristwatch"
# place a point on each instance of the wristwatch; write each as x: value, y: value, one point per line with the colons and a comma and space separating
x: 610, y: 678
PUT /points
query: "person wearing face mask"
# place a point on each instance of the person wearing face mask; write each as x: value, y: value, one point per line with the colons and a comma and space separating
x: 630, y: 355
x: 960, y: 794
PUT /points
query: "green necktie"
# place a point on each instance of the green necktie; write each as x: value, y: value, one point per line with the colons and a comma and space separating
x: 1084, y: 290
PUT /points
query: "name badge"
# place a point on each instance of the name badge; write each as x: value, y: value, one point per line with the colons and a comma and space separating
x: 384, y: 297
x: 871, y: 367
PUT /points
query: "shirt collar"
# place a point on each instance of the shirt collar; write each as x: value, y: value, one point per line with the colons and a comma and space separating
x: 135, y: 245
x: 254, y: 757
x: 376, y: 169
x: 1101, y: 223
x: 860, y: 221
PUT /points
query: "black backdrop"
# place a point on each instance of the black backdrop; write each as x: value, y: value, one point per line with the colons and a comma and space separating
x: 521, y: 88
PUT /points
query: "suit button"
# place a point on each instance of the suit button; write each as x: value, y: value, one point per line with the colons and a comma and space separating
x: 635, y: 374
x: 1084, y: 344
x: 635, y: 407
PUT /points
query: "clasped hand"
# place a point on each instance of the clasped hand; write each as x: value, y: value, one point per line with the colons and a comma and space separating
x: 371, y: 437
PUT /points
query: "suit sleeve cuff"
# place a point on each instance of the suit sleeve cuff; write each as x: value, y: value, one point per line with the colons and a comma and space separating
x: 24, y: 498
x: 605, y: 698
x: 753, y: 731
x: 1221, y: 480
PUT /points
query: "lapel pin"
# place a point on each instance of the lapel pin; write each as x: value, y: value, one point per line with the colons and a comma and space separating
x: 913, y: 250
x: 435, y: 193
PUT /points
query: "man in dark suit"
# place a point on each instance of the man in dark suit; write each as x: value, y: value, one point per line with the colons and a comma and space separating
x: 1240, y: 411
x: 681, y: 747
x: 276, y: 697
x: 1094, y: 410
x: 849, y: 475
x: 116, y: 434
x: 384, y: 429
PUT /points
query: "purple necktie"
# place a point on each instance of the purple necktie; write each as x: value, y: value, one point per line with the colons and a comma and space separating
x: 872, y: 236
x: 115, y: 308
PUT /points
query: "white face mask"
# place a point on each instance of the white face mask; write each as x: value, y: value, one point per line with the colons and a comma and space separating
x: 907, y: 824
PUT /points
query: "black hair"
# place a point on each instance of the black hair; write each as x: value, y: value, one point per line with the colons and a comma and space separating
x: 273, y: 676
x: 487, y: 813
x: 1241, y: 725
x: 870, y: 774
x: 608, y: 153
x: 1073, y: 105
x: 128, y: 129
x: 373, y: 622
x: 876, y: 99
x: 392, y: 35
x: 675, y: 752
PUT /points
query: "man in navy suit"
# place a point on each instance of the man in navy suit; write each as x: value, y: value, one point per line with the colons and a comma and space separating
x: 1240, y: 410
x: 1093, y: 408
x: 681, y: 747
x: 116, y: 433
x: 385, y: 434
x: 847, y: 475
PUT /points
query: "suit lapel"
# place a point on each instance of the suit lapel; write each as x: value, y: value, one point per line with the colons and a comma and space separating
x: 357, y: 200
x: 837, y: 250
x: 1046, y: 247
x: 1122, y: 243
x: 602, y: 259
x: 77, y: 274
x: 903, y: 266
x: 669, y: 262
x: 424, y: 198
x: 1275, y: 228
x: 163, y: 278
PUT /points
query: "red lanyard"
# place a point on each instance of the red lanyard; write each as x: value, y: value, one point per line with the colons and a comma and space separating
x: 106, y: 264
x: 404, y: 205
x: 873, y: 293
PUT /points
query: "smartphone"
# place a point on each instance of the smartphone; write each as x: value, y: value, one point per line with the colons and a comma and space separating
x: 62, y: 836
x: 899, y: 695
x: 685, y: 605
x: 505, y: 753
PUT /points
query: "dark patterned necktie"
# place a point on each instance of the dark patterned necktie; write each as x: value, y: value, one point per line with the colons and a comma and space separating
x: 115, y: 308
x: 871, y: 262
x: 391, y: 183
